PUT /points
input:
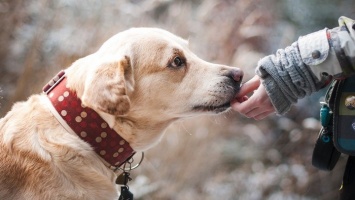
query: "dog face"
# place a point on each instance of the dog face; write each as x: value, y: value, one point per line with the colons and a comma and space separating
x: 153, y: 71
x: 149, y: 76
x: 173, y: 82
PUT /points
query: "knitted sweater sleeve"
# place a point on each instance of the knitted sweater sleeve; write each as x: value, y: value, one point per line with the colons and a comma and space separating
x: 286, y: 78
x: 308, y: 64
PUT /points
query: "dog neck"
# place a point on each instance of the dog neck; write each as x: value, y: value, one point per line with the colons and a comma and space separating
x: 86, y: 123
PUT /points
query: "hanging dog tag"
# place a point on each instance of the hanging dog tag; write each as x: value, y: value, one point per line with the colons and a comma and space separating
x: 123, y: 178
x: 125, y: 194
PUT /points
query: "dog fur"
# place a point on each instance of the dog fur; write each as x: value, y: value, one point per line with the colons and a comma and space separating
x: 140, y: 81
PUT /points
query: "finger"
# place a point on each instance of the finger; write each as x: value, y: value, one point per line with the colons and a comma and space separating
x: 263, y: 115
x: 254, y: 112
x: 243, y: 107
x: 239, y: 99
x: 249, y: 86
x: 259, y: 112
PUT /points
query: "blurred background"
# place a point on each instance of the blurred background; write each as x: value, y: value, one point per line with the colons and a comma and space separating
x: 215, y: 157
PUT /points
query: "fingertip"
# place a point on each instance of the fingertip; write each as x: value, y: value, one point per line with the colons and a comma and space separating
x: 249, y: 86
x: 239, y: 100
x: 245, y: 98
x: 242, y: 99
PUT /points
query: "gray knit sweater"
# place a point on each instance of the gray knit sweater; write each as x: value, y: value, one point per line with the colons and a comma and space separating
x: 286, y: 78
x: 306, y: 65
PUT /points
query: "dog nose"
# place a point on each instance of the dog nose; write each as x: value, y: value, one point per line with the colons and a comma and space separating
x: 236, y: 74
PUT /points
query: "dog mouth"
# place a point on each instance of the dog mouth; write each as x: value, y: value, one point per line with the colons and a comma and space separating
x: 212, y: 108
x: 222, y: 102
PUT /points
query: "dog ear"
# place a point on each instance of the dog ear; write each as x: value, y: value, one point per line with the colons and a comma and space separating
x: 108, y: 87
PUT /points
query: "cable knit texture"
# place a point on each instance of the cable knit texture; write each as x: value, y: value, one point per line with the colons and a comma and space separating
x: 286, y: 78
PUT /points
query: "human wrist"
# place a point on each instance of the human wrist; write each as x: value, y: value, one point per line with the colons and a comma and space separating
x: 278, y: 99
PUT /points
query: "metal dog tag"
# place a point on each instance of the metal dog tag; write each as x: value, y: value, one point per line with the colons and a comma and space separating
x: 125, y: 194
x: 123, y: 178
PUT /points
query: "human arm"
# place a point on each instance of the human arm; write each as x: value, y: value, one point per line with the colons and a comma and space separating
x: 303, y: 68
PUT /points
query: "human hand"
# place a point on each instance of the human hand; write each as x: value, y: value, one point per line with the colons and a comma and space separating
x: 258, y: 105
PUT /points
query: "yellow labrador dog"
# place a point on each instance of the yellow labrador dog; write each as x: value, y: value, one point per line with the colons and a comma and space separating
x: 92, y: 117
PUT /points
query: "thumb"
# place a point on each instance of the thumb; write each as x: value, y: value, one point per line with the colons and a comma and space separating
x: 249, y: 86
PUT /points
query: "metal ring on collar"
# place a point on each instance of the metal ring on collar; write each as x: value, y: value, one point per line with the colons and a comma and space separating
x: 134, y: 167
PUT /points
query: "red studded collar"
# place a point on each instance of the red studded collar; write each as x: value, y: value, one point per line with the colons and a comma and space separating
x: 86, y: 123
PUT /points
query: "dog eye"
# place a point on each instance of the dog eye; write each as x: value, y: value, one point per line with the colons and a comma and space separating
x: 177, y: 62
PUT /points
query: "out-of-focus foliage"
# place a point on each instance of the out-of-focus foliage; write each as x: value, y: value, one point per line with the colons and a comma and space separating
x: 223, y: 157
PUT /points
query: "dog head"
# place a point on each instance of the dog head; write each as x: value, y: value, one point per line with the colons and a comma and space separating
x: 149, y: 76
